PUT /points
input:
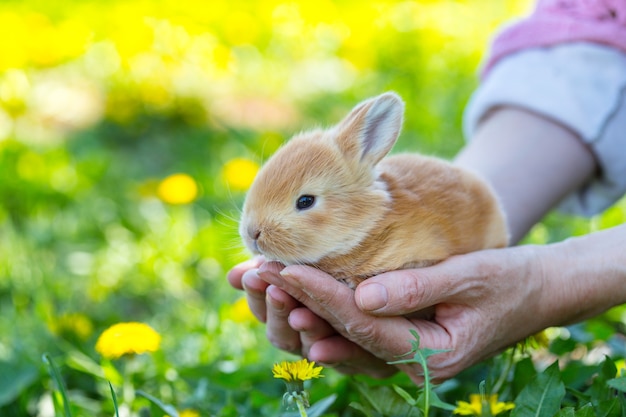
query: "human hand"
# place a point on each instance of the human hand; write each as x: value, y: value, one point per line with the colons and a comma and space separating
x: 483, y: 302
x: 294, y: 328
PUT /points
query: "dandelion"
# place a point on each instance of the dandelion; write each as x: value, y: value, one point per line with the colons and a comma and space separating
x: 127, y: 339
x: 239, y: 311
x: 294, y: 374
x: 482, y: 405
x: 178, y: 189
x: 301, y: 370
x: 239, y: 173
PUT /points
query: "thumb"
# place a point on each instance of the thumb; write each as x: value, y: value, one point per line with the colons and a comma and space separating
x: 401, y: 292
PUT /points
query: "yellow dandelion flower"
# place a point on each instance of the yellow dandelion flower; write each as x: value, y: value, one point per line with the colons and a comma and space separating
x: 178, y: 189
x: 239, y: 311
x: 239, y: 173
x: 477, y: 401
x: 301, y: 370
x: 127, y: 339
x: 294, y: 374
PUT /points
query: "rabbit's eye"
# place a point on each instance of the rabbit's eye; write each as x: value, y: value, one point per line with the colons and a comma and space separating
x: 305, y: 202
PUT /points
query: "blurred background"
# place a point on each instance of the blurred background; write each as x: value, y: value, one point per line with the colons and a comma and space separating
x: 130, y: 130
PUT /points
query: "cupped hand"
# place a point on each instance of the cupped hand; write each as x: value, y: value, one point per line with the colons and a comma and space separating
x: 295, y: 328
x: 483, y: 302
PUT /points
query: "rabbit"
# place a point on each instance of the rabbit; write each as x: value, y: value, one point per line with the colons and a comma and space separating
x: 331, y: 199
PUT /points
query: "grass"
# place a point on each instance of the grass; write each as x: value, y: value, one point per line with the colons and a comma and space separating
x: 129, y: 131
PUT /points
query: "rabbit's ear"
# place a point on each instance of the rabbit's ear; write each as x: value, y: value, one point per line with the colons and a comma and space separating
x: 371, y: 129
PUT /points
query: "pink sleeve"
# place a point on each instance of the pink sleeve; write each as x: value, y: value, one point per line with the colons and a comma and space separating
x: 560, y: 21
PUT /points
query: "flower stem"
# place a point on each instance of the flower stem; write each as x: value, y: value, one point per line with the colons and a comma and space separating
x: 426, y: 384
x: 510, y: 361
x: 301, y: 407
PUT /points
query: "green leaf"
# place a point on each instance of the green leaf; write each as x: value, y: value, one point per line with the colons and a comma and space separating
x: 586, y: 411
x: 56, y: 375
x: 366, y: 411
x: 566, y: 412
x: 582, y: 398
x: 402, y: 392
x: 81, y: 362
x: 542, y: 397
x: 609, y: 408
x: 435, y: 401
x: 609, y: 370
x: 577, y: 375
x: 114, y: 397
x: 14, y: 379
x: 419, y: 354
x: 320, y: 406
x: 386, y: 402
x: 618, y: 383
x: 523, y: 375
x: 600, y: 390
x: 167, y: 408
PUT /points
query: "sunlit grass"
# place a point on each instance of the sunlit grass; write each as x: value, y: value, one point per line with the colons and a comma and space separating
x: 129, y: 132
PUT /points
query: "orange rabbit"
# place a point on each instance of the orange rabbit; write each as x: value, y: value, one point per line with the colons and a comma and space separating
x: 330, y: 199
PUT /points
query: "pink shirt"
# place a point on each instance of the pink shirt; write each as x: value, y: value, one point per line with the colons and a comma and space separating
x: 559, y: 21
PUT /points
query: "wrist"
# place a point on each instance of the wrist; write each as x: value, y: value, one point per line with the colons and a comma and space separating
x: 584, y: 276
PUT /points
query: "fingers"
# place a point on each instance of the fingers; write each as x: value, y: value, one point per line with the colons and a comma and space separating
x: 311, y: 328
x: 279, y: 332
x: 322, y: 344
x: 235, y: 275
x: 349, y: 358
x: 384, y: 337
x: 297, y: 329
x: 363, y: 343
x: 405, y: 292
x: 255, y: 289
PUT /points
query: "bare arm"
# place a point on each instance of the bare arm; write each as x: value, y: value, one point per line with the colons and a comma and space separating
x: 531, y: 162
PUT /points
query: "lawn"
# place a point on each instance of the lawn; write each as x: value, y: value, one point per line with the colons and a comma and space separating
x: 129, y: 133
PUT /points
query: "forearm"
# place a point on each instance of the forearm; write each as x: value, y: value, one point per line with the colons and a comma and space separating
x: 584, y: 276
x: 530, y: 161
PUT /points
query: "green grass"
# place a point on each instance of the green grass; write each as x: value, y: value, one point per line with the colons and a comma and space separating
x: 102, y: 101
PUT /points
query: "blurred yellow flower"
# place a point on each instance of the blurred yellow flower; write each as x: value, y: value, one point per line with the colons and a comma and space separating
x: 178, y: 189
x: 301, y: 370
x: 127, y: 339
x: 541, y: 339
x: 239, y: 311
x: 14, y: 91
x: 537, y: 341
x: 187, y: 413
x: 477, y: 401
x: 239, y: 173
x: 72, y: 323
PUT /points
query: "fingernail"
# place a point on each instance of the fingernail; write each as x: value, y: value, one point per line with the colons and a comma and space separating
x: 269, y: 273
x: 372, y: 297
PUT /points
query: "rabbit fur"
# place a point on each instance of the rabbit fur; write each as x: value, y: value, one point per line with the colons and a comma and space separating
x: 369, y: 213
